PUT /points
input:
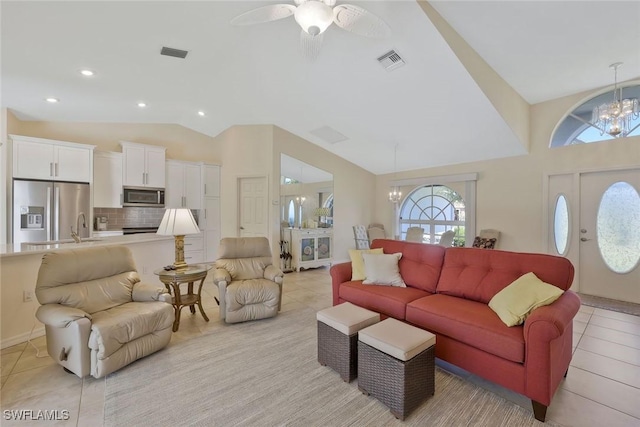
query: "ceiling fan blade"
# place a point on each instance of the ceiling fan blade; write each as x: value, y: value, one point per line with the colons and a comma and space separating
x: 360, y: 21
x: 310, y: 45
x: 269, y: 13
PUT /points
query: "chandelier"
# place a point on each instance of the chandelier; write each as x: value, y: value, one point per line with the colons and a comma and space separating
x: 615, y: 117
x: 395, y: 194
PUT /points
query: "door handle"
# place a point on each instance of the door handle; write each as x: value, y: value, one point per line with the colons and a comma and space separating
x: 241, y: 228
x: 582, y: 230
x: 50, y: 169
x: 56, y: 168
x: 584, y: 239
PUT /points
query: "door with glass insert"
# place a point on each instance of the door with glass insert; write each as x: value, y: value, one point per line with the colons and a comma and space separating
x: 609, y: 234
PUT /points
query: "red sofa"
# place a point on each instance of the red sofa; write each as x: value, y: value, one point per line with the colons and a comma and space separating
x: 447, y: 293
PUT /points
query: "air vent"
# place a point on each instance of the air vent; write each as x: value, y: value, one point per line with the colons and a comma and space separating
x: 176, y: 53
x: 329, y: 135
x: 391, y: 60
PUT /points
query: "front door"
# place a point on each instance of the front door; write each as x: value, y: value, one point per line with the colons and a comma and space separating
x: 609, y: 234
x: 253, y: 209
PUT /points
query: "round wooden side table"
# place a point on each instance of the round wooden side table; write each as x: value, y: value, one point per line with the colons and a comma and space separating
x: 172, y: 280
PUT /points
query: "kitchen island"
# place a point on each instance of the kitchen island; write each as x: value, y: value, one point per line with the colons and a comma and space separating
x: 19, y: 267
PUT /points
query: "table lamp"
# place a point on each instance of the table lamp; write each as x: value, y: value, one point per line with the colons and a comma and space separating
x: 177, y: 223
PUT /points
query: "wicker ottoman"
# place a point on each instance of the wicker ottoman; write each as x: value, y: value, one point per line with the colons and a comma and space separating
x: 338, y: 328
x: 396, y: 365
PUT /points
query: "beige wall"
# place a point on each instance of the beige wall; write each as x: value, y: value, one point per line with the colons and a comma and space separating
x: 510, y: 191
x: 245, y: 152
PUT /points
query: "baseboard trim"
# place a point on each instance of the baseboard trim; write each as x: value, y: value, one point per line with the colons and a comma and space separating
x: 18, y: 339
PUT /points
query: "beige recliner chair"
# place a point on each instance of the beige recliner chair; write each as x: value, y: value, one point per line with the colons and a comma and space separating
x: 249, y: 286
x: 98, y: 316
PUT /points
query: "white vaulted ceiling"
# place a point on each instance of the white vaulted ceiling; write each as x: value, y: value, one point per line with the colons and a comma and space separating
x: 432, y: 108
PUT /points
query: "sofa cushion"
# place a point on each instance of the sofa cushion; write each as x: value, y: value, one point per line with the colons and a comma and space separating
x: 420, y: 264
x: 470, y: 322
x: 357, y: 263
x: 388, y: 300
x: 113, y: 328
x: 382, y: 269
x: 478, y: 274
x: 514, y: 303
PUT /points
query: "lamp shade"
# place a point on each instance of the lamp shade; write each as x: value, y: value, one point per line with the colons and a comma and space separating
x: 177, y: 222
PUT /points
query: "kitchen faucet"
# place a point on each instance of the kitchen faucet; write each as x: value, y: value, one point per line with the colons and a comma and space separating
x: 74, y: 234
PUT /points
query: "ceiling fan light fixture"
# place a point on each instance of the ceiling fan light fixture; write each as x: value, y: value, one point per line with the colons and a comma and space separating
x: 314, y: 17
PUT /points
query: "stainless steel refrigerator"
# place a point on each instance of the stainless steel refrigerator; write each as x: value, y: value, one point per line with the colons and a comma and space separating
x: 45, y: 210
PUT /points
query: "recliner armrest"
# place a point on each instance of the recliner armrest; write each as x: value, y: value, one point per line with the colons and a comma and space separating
x: 59, y: 316
x: 221, y: 275
x: 143, y: 292
x: 273, y: 273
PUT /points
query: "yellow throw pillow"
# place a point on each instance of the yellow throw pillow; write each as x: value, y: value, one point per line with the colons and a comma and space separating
x: 357, y: 263
x: 515, y: 302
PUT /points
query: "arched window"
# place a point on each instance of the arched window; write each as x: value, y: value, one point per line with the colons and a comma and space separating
x: 436, y: 209
x: 577, y: 127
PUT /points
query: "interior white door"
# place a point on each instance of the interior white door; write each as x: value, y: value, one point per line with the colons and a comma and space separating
x: 609, y: 234
x: 253, y: 201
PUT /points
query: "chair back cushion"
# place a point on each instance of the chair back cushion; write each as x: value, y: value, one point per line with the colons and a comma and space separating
x: 90, y: 279
x: 244, y: 257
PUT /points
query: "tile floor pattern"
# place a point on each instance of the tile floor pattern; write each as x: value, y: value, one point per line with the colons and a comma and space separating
x: 602, y: 387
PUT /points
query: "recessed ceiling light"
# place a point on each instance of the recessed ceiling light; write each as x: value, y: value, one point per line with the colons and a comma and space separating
x: 87, y: 73
x: 142, y: 104
x: 201, y: 113
x: 52, y: 100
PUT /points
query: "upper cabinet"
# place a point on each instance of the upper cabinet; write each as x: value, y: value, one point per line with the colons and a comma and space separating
x: 107, y: 179
x: 184, y: 185
x: 143, y: 165
x: 36, y: 158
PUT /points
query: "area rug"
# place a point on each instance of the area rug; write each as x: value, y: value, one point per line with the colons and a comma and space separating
x: 265, y: 373
x: 610, y: 304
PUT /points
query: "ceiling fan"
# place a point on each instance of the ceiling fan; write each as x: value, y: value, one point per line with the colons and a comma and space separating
x: 314, y: 17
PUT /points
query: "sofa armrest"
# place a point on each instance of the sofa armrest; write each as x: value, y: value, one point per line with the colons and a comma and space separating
x: 221, y: 275
x: 548, y: 335
x: 550, y: 321
x: 59, y: 316
x: 274, y: 274
x: 146, y: 292
x: 340, y: 273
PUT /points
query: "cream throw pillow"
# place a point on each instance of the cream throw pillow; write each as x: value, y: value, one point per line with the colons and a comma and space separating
x: 357, y: 263
x: 382, y: 270
x: 515, y: 302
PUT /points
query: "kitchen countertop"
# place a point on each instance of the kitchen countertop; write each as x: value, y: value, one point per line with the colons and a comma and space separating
x: 8, y: 250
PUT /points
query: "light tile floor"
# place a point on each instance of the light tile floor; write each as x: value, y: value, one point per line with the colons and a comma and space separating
x: 601, y: 389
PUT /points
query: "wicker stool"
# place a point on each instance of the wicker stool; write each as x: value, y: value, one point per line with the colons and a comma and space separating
x: 396, y: 365
x: 338, y: 337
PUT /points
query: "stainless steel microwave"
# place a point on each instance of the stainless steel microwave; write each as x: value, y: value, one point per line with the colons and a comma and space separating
x: 143, y: 197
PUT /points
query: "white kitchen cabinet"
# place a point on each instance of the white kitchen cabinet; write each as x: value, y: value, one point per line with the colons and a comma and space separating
x: 194, y: 248
x: 184, y: 185
x: 209, y: 218
x: 107, y: 180
x: 211, y: 179
x: 311, y: 247
x: 210, y: 215
x: 37, y: 158
x: 143, y: 165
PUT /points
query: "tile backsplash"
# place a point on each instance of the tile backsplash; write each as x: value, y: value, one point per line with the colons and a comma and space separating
x: 130, y: 217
